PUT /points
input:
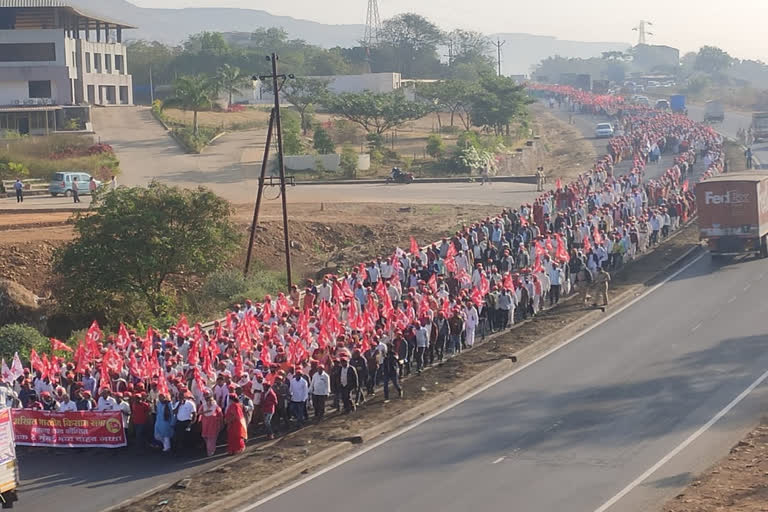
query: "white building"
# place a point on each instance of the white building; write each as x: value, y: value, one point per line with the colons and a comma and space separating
x: 374, y: 82
x: 54, y: 56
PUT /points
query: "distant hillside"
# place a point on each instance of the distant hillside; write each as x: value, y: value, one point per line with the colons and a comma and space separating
x: 523, y: 51
x: 520, y: 53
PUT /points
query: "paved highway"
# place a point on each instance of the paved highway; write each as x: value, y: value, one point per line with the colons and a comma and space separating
x: 730, y: 126
x: 573, y: 430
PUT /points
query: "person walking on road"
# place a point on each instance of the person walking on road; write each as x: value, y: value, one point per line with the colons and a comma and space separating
x: 75, y: 191
x: 540, y: 179
x: 601, y: 285
x: 748, y: 156
x: 319, y: 389
x: 19, y: 188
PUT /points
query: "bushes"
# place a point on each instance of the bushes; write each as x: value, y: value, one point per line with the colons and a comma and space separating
x: 349, y: 160
x: 185, y: 136
x: 20, y: 338
x: 228, y: 286
x: 322, y: 142
x: 435, y: 146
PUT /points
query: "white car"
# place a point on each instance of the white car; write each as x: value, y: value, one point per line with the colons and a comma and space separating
x: 604, y: 130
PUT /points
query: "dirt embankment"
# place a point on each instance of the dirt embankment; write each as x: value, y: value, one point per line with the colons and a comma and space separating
x: 327, y: 237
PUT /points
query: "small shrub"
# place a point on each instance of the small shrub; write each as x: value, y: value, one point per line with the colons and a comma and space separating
x: 349, y: 160
x: 435, y: 146
x: 21, y: 338
x: 322, y: 142
x: 345, y: 132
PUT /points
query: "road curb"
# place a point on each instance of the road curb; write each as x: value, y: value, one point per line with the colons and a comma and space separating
x: 526, y: 178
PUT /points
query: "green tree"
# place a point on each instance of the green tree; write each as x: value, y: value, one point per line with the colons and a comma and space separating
x: 322, y: 141
x: 230, y: 80
x: 498, y: 103
x: 411, y: 38
x: 303, y: 93
x: 21, y: 338
x: 292, y: 141
x: 452, y: 96
x: 207, y: 43
x: 349, y: 161
x: 435, y: 146
x: 193, y: 93
x: 132, y: 241
x: 376, y: 112
x: 712, y: 60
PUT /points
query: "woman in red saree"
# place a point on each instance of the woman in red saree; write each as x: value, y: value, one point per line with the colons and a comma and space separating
x: 237, y: 431
x: 211, y: 419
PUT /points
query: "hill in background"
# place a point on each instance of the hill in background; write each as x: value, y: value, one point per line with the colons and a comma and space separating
x: 519, y: 54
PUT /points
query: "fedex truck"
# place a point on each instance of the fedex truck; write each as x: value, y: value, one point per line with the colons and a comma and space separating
x: 733, y: 213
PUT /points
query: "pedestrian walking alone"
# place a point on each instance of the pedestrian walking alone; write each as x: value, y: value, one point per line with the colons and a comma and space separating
x: 19, y: 188
x: 75, y: 191
x: 601, y: 285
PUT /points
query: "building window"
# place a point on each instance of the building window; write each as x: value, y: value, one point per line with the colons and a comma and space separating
x: 27, y: 52
x: 87, y: 62
x: 97, y: 62
x: 40, y: 89
x: 74, y: 60
x: 119, y: 64
x: 123, y: 95
x: 108, y: 63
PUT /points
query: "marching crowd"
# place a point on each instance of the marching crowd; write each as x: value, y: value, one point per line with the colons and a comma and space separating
x: 340, y: 340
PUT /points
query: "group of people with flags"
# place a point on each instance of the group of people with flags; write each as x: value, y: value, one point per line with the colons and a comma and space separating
x: 335, y: 343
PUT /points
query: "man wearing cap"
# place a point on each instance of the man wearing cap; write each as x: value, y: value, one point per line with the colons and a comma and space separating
x: 320, y: 388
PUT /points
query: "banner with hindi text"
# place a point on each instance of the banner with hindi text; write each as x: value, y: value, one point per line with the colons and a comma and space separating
x: 81, y: 429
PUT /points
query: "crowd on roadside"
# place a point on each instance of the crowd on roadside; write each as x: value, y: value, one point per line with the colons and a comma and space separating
x: 335, y: 343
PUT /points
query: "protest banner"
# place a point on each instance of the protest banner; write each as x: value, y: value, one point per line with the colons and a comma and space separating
x: 81, y: 429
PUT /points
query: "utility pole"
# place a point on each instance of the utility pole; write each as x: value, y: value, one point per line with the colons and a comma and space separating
x: 498, y: 44
x: 151, y: 87
x: 274, y: 123
x: 260, y: 192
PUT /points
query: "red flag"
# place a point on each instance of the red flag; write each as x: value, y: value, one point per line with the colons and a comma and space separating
x: 199, y: 380
x: 476, y: 297
x: 134, y: 368
x: 433, y: 283
x: 450, y: 264
x: 485, y: 288
x: 508, y: 283
x: 685, y: 186
x: 558, y: 184
x: 123, y: 338
x: 35, y: 362
x: 183, y: 326
x: 414, y: 247
x: 346, y: 291
x: 58, y: 345
x: 46, y: 365
x: 266, y: 358
x: 597, y: 236
x: 445, y: 308
x: 451, y: 252
x: 537, y: 263
x: 562, y: 252
x: 92, y: 339
x: 587, y: 245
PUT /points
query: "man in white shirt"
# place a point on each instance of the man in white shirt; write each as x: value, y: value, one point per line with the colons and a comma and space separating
x: 320, y: 388
x: 186, y: 411
x: 106, y: 402
x: 324, y: 291
x: 67, y: 405
x: 299, y: 391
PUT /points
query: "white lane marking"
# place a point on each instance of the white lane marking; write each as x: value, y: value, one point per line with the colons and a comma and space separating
x: 725, y: 410
x: 696, y: 327
x: 479, y: 390
x: 731, y: 299
x: 498, y: 460
x: 746, y: 288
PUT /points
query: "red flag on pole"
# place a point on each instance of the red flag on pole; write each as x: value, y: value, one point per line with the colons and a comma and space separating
x: 477, y: 297
x: 597, y: 236
x: 485, y: 288
x: 414, y: 247
x: 183, y: 326
x: 92, y: 339
x: 123, y: 338
x: 685, y: 186
x: 35, y: 362
x: 562, y: 252
x: 433, y: 283
x: 59, y: 345
x: 587, y: 245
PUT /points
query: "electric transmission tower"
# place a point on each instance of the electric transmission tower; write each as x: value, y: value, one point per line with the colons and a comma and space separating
x: 372, y: 25
x: 642, y: 31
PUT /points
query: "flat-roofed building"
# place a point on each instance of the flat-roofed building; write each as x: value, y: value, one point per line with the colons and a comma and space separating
x: 54, y: 56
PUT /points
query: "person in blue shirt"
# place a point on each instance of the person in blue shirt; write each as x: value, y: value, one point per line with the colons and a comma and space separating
x: 19, y: 188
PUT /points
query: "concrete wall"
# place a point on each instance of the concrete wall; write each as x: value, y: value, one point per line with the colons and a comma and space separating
x: 14, y: 86
x: 374, y: 82
x: 55, y: 36
x: 324, y: 162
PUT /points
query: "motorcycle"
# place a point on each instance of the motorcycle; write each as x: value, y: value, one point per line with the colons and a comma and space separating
x: 400, y: 177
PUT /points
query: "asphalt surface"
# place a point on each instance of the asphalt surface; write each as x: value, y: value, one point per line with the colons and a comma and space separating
x: 570, y: 431
x: 730, y: 126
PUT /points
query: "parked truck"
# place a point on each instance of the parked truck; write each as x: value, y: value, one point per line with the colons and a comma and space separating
x: 733, y: 213
x: 759, y: 126
x: 9, y: 471
x: 714, y: 112
x: 677, y: 103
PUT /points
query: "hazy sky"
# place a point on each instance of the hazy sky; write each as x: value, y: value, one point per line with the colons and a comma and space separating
x: 736, y: 26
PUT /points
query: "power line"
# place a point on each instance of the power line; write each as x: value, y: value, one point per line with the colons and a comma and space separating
x: 498, y: 44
